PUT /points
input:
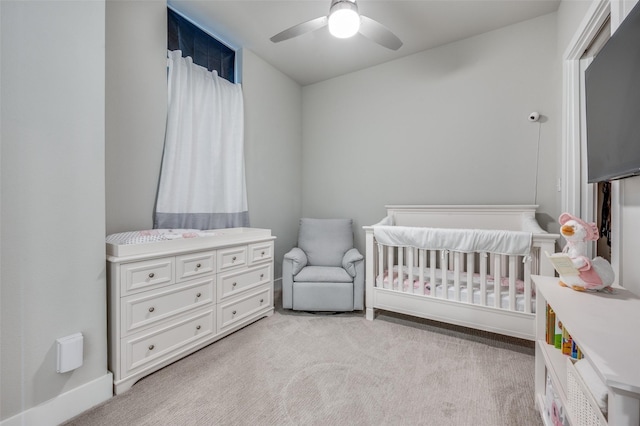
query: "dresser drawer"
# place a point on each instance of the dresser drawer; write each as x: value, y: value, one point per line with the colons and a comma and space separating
x: 195, y: 265
x: 145, y: 349
x: 232, y: 283
x: 145, y: 309
x: 146, y: 274
x: 231, y: 258
x: 244, y: 307
x: 260, y: 252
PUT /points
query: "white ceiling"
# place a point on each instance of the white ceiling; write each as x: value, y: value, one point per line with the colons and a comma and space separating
x: 317, y: 56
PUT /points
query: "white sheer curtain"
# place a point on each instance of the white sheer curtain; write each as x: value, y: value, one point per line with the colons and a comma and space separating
x: 202, y: 181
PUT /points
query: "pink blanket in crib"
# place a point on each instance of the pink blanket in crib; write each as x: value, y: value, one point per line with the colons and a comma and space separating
x: 504, y: 282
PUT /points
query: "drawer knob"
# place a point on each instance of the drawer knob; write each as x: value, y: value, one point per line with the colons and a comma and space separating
x: 197, y: 327
x: 233, y: 313
x: 234, y: 284
x: 261, y: 300
x: 233, y: 259
x: 151, y: 309
x: 198, y: 266
x: 151, y: 347
x: 262, y: 254
x: 261, y: 276
x: 198, y: 295
x: 151, y: 275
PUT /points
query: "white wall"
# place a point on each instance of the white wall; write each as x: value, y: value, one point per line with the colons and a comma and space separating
x: 136, y: 110
x: 273, y: 151
x: 444, y: 126
x: 570, y: 15
x: 52, y: 197
x: 630, y: 229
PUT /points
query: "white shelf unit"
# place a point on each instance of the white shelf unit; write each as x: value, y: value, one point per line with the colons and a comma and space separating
x: 169, y: 299
x: 605, y: 327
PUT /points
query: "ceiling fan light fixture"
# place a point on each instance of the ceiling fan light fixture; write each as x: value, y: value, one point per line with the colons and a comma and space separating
x: 344, y: 19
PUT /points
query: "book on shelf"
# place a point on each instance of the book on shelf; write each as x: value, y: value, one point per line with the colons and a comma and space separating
x: 575, y: 350
x: 562, y: 263
x: 558, y: 336
x: 557, y: 339
x: 567, y: 342
x: 551, y: 326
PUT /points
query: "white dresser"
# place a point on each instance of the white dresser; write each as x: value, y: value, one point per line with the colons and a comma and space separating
x: 167, y: 299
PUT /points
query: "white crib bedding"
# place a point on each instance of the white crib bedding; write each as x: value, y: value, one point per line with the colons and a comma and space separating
x: 383, y: 282
x: 460, y: 240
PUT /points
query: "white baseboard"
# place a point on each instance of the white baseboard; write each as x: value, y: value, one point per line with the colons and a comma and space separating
x: 66, y: 405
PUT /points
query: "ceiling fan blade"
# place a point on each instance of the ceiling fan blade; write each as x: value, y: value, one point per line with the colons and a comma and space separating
x: 303, y: 28
x: 377, y: 32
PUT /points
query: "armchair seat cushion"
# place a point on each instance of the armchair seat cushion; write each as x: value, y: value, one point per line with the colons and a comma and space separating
x: 314, y: 296
x: 323, y: 274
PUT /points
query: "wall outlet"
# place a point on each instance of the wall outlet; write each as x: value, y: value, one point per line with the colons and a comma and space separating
x: 69, y: 351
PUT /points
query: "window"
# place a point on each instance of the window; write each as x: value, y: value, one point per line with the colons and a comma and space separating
x: 205, y: 50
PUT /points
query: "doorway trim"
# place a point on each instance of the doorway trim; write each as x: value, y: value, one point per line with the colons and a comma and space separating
x: 574, y: 187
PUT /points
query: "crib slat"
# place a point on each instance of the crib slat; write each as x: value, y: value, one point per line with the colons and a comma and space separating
x: 410, y: 268
x: 421, y: 255
x: 381, y: 265
x: 432, y: 272
x: 497, y: 294
x: 535, y: 260
x: 445, y: 276
x: 483, y: 278
x: 390, y: 263
x: 456, y: 275
x: 416, y: 262
x: 527, y: 285
x: 400, y: 269
x: 513, y: 266
x: 470, y: 269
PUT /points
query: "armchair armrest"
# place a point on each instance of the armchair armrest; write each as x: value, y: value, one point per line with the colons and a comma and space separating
x: 349, y: 260
x: 298, y: 259
x: 292, y: 263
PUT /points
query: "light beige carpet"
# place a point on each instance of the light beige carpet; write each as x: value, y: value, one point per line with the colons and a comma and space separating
x: 311, y: 369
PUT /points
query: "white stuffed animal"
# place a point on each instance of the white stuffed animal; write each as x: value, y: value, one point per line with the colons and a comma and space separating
x: 594, y: 274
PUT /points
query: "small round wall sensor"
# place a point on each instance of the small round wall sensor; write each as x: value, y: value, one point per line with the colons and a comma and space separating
x: 534, y: 116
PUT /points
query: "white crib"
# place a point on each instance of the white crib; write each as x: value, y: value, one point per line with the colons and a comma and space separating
x: 486, y: 289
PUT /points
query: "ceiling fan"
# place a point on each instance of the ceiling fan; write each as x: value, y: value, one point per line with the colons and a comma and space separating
x: 344, y: 21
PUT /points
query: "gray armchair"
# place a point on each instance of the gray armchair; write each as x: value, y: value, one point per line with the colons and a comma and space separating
x: 325, y: 272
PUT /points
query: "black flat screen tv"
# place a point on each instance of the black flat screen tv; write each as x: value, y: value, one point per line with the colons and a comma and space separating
x: 612, y: 85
